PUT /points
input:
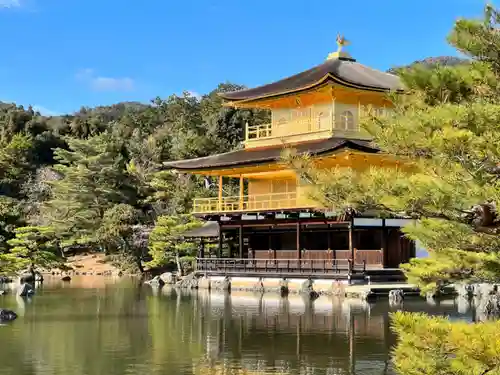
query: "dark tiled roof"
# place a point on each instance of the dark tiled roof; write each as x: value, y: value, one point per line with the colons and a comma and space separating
x: 269, y: 154
x: 344, y: 71
x: 209, y: 229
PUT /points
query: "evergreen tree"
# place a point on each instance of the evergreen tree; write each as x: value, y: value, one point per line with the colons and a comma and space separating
x: 445, y: 133
x: 93, y: 180
x: 119, y: 229
x: 32, y: 248
x: 164, y: 244
x: 436, y: 346
x: 15, y: 164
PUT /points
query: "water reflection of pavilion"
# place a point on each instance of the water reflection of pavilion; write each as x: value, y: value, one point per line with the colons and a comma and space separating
x: 328, y: 336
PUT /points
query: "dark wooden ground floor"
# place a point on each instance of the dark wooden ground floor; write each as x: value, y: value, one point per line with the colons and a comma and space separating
x: 308, y: 247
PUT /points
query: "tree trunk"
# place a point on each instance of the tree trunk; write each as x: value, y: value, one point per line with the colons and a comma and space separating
x: 31, y: 270
x: 61, y: 251
x: 179, y: 267
x: 139, y: 264
x: 136, y: 253
x: 138, y: 259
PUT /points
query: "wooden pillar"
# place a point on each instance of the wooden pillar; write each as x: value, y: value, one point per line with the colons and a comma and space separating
x: 242, y: 191
x: 220, y: 194
x: 240, y: 238
x: 384, y: 244
x: 329, y: 252
x: 221, y: 242
x: 351, y: 242
x: 270, y: 244
x: 329, y: 237
x: 299, y: 255
x: 202, y: 248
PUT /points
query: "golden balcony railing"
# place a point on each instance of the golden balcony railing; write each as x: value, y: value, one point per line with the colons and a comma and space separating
x: 260, y: 202
x: 287, y: 128
x: 258, y: 131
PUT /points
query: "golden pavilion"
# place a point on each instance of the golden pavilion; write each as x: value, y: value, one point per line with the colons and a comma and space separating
x: 272, y: 226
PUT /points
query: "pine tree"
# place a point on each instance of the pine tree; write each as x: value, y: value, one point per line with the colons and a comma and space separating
x: 92, y: 182
x: 118, y: 231
x: 32, y: 248
x: 164, y: 244
x: 445, y: 133
x: 436, y: 346
x: 15, y: 159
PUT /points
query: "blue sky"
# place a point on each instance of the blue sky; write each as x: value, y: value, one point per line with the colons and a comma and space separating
x: 59, y: 55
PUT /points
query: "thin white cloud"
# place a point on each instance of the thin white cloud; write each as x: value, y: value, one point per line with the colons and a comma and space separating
x: 84, y: 74
x: 45, y: 111
x: 195, y: 94
x: 101, y: 83
x: 10, y: 3
x: 112, y: 84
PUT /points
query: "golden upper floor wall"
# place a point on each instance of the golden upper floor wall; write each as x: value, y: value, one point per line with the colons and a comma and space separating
x: 336, y: 117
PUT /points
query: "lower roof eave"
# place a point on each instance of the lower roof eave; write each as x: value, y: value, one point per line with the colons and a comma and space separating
x: 271, y: 155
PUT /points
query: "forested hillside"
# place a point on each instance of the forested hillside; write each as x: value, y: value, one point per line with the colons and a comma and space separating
x: 432, y: 62
x: 93, y: 179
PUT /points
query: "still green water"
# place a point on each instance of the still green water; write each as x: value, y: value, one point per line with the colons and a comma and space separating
x: 98, y: 327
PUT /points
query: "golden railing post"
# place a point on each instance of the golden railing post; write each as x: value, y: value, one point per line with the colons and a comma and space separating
x: 242, y: 190
x: 246, y: 131
x: 220, y: 193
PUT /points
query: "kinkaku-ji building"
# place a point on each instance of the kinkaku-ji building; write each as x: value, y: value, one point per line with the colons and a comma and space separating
x: 273, y: 227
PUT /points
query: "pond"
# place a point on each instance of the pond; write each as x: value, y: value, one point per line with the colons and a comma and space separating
x: 94, y: 327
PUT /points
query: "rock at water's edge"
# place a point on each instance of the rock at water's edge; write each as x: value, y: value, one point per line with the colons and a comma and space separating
x: 5, y: 280
x: 25, y: 290
x: 66, y: 278
x: 7, y: 315
x: 221, y: 285
x: 307, y: 289
x: 188, y: 282
x: 155, y: 282
x: 26, y: 277
x: 168, y: 278
x: 396, y: 296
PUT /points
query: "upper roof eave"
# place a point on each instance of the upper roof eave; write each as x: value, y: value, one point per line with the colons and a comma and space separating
x: 344, y: 72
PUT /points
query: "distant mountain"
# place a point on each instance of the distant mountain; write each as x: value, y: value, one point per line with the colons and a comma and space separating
x: 433, y: 61
x: 101, y: 114
x: 112, y: 112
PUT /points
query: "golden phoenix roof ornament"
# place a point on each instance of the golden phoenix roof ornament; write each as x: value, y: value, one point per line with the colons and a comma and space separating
x: 341, y: 43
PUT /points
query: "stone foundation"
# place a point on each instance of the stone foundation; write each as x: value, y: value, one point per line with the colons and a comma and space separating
x: 274, y: 285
